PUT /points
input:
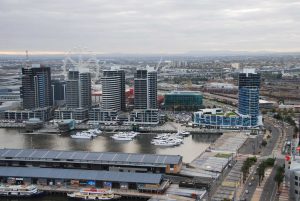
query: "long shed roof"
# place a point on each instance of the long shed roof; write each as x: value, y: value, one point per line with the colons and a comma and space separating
x: 55, y: 173
x: 90, y: 157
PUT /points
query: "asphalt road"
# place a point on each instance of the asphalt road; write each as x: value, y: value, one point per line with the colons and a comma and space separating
x: 270, y: 188
x: 266, y: 151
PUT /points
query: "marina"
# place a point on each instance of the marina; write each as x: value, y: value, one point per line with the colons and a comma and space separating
x: 212, y: 150
x: 193, y: 144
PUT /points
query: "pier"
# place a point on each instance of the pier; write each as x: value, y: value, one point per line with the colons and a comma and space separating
x: 124, y: 193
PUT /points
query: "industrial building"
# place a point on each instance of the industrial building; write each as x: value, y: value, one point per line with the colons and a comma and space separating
x: 183, y: 100
x: 108, y: 161
x: 82, y: 178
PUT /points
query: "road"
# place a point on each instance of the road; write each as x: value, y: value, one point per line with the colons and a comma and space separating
x: 270, y: 189
x: 266, y: 152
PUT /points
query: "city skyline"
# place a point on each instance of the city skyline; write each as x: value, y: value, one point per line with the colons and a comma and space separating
x: 164, y: 27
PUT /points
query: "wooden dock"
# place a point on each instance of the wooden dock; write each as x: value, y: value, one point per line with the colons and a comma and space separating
x: 124, y: 193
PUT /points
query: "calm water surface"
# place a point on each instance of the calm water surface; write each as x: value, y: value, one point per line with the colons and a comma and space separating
x: 192, y: 147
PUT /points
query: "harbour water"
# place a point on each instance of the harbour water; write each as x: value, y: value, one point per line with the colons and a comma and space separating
x: 12, y: 138
x: 190, y: 149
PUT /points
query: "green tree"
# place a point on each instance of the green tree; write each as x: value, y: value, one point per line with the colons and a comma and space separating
x: 246, y: 166
x: 279, y: 176
x: 261, y: 172
x: 264, y: 143
x: 270, y: 162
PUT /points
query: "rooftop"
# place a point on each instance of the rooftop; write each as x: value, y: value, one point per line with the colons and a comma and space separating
x: 56, y: 173
x: 248, y: 70
x: 90, y: 157
x: 184, y: 93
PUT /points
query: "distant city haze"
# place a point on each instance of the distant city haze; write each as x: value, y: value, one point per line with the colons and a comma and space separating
x: 149, y: 27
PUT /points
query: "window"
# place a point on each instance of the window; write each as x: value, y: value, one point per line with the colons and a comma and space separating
x: 296, y: 183
x: 296, y: 177
x: 296, y: 191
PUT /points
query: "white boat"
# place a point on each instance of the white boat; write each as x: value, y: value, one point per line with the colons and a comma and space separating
x: 93, y: 194
x: 183, y: 133
x: 122, y: 137
x: 91, y: 133
x: 167, y: 139
x: 96, y: 131
x: 165, y: 143
x: 19, y: 191
x: 82, y: 135
x: 125, y: 136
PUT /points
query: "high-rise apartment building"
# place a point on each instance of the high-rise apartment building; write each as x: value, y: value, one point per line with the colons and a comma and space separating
x: 140, y: 89
x: 85, y: 90
x: 249, y: 83
x: 72, y: 89
x: 36, y: 87
x: 78, y: 90
x: 145, y: 89
x: 58, y: 91
x: 113, y: 90
x: 152, y: 89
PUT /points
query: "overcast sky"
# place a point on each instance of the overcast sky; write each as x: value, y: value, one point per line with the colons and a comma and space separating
x: 150, y: 26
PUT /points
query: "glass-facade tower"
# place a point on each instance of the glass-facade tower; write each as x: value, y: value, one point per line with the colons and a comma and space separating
x: 249, y: 83
x: 36, y: 87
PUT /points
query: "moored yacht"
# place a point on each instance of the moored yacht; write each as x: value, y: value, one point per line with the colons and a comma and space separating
x: 93, y: 194
x: 125, y: 136
x: 167, y: 139
x: 183, y: 133
x: 82, y: 135
x: 19, y: 191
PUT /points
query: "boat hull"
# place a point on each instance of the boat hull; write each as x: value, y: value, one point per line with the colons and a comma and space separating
x: 80, y: 137
x: 34, y: 195
x: 88, y: 199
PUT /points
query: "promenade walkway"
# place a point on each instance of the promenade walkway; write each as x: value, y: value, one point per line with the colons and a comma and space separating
x: 259, y: 189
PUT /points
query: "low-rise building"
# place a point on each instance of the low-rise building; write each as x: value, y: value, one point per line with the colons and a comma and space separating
x: 78, y: 114
x: 73, y: 178
x: 293, y: 175
x: 217, y: 118
x: 264, y: 104
x: 183, y: 100
x: 144, y: 117
x: 98, y: 115
x: 44, y: 114
x: 83, y: 160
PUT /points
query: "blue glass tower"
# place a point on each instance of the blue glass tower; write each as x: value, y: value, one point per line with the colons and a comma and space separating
x: 249, y: 83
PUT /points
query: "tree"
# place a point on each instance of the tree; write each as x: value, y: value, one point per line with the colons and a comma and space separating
x: 261, y: 172
x: 270, y: 162
x: 264, y: 143
x: 279, y: 176
x: 246, y: 166
x: 245, y: 170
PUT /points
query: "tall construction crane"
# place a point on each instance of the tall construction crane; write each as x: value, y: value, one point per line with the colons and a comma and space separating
x: 158, y: 65
x: 82, y: 60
